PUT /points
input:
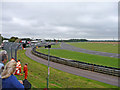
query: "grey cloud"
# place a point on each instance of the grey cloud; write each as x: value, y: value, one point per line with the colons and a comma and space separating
x: 60, y: 20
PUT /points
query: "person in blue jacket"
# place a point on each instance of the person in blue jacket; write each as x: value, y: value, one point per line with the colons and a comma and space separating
x: 9, y: 81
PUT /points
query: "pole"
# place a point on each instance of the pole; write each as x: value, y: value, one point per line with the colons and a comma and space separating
x: 11, y: 50
x: 48, y: 68
x: 16, y: 52
x: 8, y: 50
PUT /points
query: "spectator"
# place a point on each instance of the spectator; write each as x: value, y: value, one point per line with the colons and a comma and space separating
x: 25, y: 69
x: 3, y: 60
x: 3, y: 57
x: 12, y: 59
x: 19, y: 65
x: 9, y: 81
x: 18, y: 68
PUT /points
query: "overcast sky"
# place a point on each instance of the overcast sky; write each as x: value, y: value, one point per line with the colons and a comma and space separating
x: 60, y: 20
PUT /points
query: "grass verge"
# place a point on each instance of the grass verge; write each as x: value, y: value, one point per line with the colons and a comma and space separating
x: 110, y: 48
x: 89, y: 58
x: 56, y: 46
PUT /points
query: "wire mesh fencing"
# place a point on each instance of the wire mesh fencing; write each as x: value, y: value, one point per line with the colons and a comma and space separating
x: 11, y: 49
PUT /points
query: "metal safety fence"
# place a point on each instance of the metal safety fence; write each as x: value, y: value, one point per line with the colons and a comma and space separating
x: 78, y: 64
x: 11, y: 48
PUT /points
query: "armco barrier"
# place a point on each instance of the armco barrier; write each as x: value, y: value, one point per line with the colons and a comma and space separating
x: 82, y: 65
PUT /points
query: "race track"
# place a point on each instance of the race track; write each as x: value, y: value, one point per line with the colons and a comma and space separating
x: 76, y: 71
x: 72, y: 48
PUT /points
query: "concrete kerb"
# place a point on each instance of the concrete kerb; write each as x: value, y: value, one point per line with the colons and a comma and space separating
x: 52, y: 59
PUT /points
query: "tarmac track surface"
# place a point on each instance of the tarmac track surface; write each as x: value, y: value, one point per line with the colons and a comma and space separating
x: 72, y: 48
x: 76, y: 71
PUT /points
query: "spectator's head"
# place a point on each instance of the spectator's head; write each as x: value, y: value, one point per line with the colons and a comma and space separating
x: 26, y: 63
x: 9, y: 69
x: 3, y: 56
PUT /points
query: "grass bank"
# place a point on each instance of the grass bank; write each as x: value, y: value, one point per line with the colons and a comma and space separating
x: 103, y: 47
x: 56, y: 45
x: 89, y: 58
x: 58, y: 79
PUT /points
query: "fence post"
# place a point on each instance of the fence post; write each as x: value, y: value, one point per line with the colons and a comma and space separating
x: 11, y: 50
x: 16, y: 52
x: 8, y: 50
x: 93, y: 67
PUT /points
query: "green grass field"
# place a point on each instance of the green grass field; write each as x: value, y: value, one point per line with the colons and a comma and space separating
x: 89, y: 58
x: 58, y: 79
x: 111, y: 48
x: 56, y: 46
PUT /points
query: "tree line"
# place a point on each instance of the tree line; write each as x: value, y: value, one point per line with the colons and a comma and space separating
x: 70, y: 40
x: 13, y: 39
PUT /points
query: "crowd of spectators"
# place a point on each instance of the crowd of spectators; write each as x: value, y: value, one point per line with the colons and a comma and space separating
x: 8, y: 69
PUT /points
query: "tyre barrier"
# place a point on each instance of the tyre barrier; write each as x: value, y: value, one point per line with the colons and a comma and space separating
x: 82, y: 65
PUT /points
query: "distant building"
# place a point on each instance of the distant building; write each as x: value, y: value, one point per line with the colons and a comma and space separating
x: 43, y: 41
x: 5, y: 41
x: 32, y: 43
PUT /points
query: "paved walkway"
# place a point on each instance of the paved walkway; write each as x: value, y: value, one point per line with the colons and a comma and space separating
x: 72, y: 48
x: 76, y: 71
